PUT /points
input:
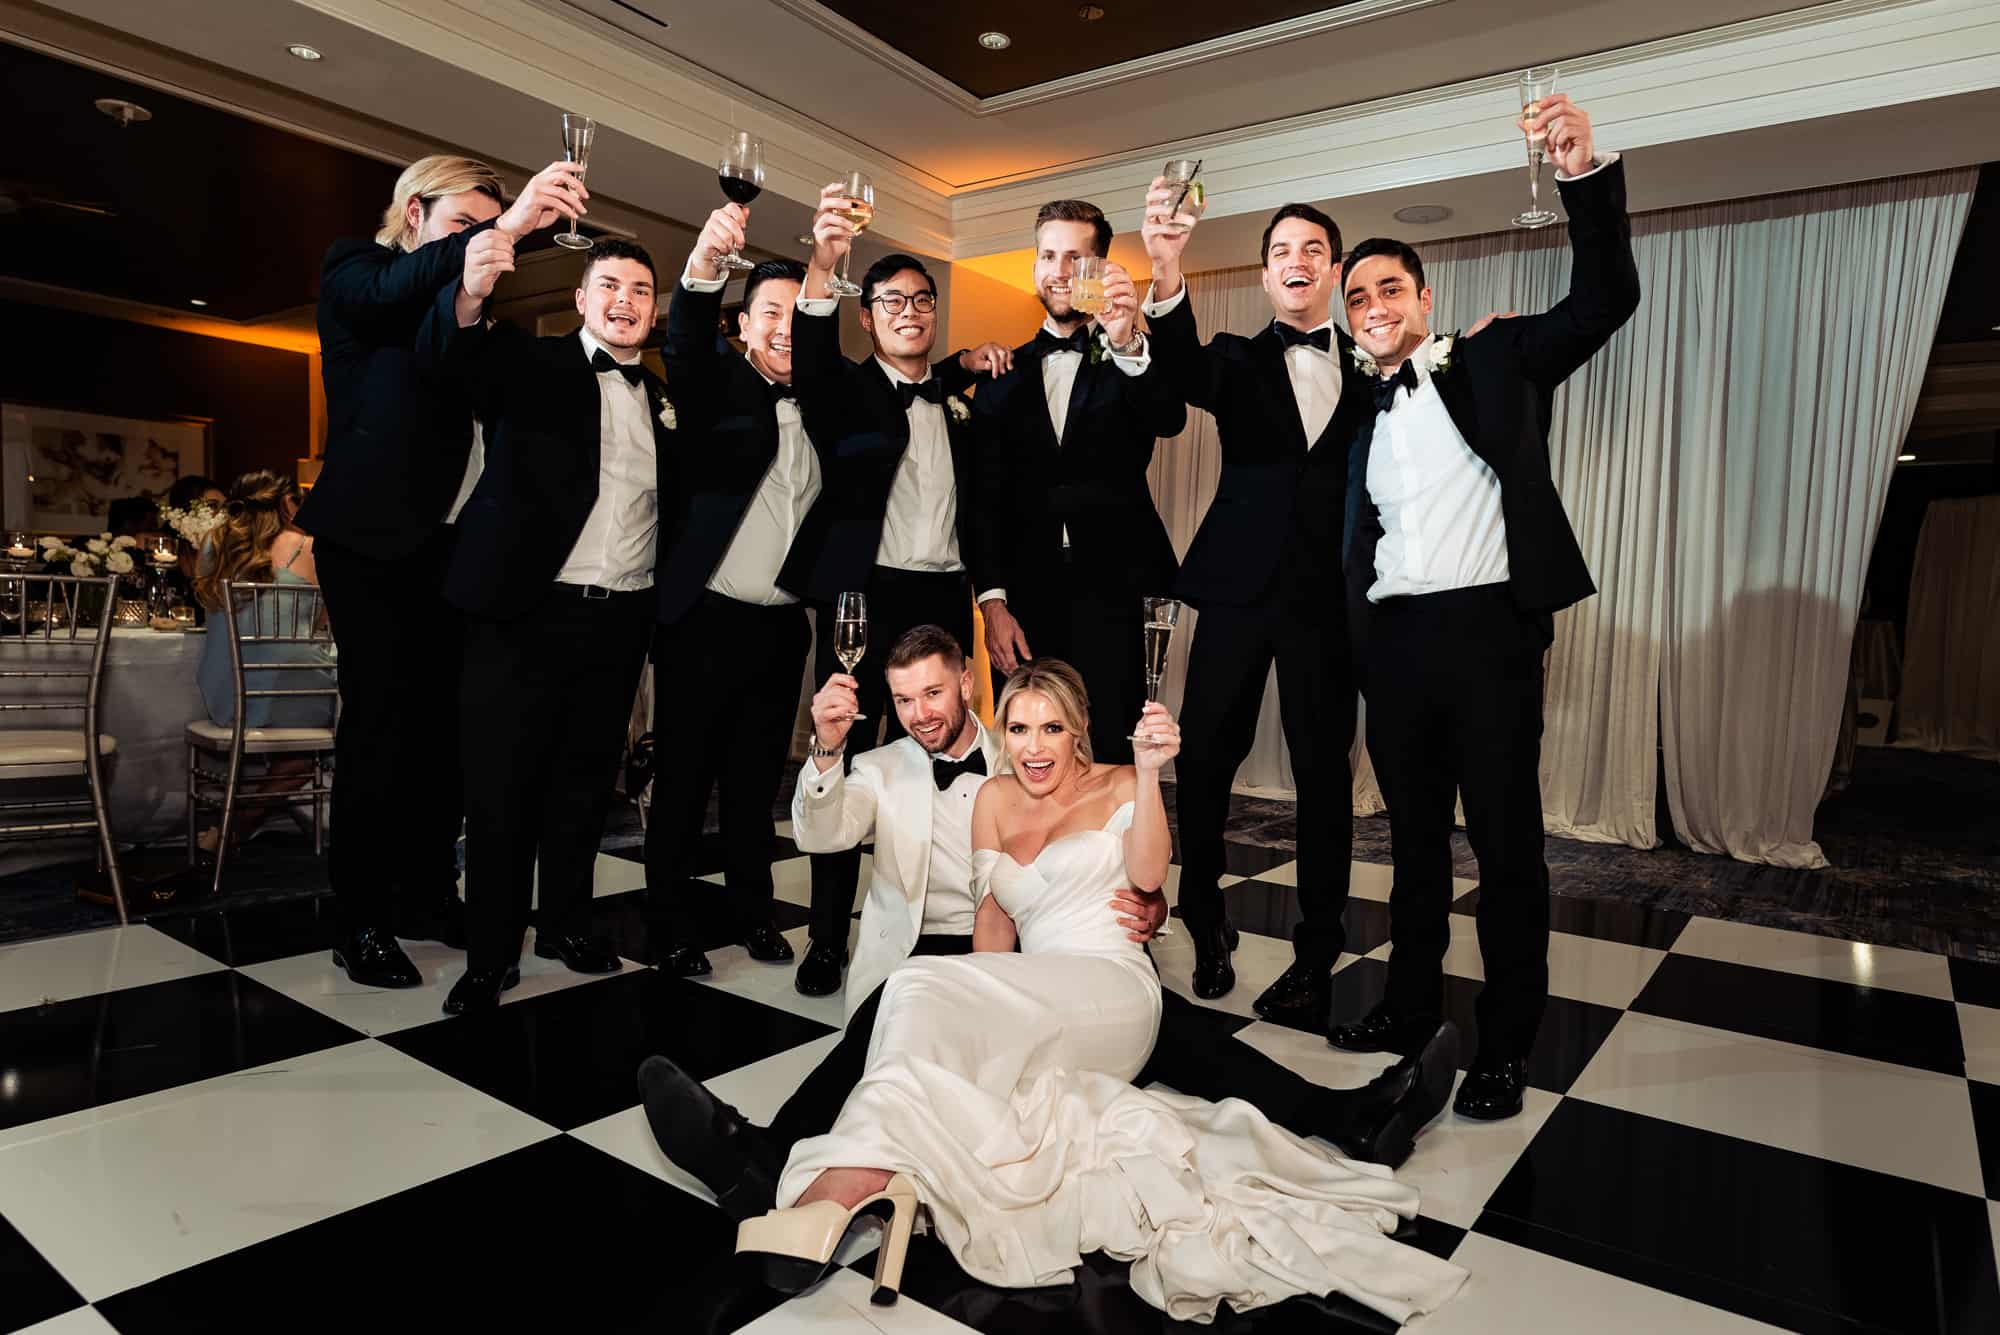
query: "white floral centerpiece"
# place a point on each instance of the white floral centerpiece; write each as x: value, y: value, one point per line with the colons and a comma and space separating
x: 193, y: 522
x: 98, y: 556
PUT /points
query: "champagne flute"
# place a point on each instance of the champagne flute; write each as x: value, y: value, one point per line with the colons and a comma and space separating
x: 1181, y: 172
x: 860, y: 211
x: 1536, y: 84
x: 741, y: 175
x: 1086, y: 285
x: 1160, y: 616
x: 578, y: 131
x: 850, y: 635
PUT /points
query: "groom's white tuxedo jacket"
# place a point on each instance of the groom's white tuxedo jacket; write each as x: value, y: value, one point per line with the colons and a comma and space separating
x: 890, y: 797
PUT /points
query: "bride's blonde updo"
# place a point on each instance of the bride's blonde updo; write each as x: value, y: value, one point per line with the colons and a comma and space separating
x: 1062, y: 686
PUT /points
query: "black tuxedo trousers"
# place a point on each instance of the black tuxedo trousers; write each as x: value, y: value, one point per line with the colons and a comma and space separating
x: 1100, y: 634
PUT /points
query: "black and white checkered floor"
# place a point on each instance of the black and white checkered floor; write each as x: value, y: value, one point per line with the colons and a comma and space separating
x: 203, y: 1126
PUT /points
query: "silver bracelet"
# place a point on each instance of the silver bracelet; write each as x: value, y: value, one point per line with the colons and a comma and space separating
x: 818, y: 752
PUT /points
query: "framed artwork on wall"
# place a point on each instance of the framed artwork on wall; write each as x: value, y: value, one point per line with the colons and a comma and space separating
x: 60, y: 469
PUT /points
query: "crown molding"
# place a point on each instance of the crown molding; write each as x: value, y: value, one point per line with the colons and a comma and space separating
x: 1853, y: 55
x: 1230, y: 44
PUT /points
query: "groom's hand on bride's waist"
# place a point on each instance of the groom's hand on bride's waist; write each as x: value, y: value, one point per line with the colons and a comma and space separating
x: 1140, y: 912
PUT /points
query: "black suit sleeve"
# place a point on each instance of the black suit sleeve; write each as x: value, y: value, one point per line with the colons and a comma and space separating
x: 1193, y: 371
x: 956, y: 378
x: 992, y: 522
x: 479, y: 361
x: 817, y: 366
x: 1603, y: 283
x: 1154, y: 401
x: 694, y: 356
x: 359, y: 282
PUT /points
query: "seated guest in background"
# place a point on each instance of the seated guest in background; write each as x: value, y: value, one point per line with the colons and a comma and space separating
x: 399, y: 456
x: 192, y: 487
x: 259, y: 544
x: 732, y: 645
x: 553, y: 570
x: 131, y: 516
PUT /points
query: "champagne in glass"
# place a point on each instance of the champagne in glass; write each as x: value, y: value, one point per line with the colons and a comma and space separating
x: 1159, y: 617
x: 859, y: 210
x: 578, y: 131
x: 1535, y: 84
x: 741, y: 175
x: 1192, y: 198
x: 1086, y: 285
x: 850, y: 634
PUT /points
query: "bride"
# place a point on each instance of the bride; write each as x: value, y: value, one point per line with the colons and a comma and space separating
x: 997, y: 1096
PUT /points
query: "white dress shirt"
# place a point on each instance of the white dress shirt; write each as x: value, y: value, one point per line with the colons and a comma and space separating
x: 1315, y: 376
x: 948, y: 906
x: 920, y: 528
x: 1440, y: 503
x: 620, y: 537
x: 475, y: 464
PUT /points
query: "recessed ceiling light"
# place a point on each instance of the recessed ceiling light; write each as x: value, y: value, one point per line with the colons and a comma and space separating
x: 995, y: 41
x: 304, y: 52
x: 1906, y: 458
x: 125, y: 113
x: 1423, y: 213
x: 196, y: 301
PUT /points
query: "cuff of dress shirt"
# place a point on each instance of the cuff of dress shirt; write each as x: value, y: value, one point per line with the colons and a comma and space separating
x: 1137, y: 362
x: 990, y: 595
x: 819, y: 305
x: 693, y: 284
x: 817, y: 786
x: 1597, y: 164
x: 1153, y: 310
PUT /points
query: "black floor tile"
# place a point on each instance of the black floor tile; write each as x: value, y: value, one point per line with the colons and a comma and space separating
x: 622, y: 919
x: 1986, y: 1126
x: 97, y: 1050
x: 1251, y: 859
x: 1270, y: 909
x: 30, y: 1289
x: 1869, y: 1022
x: 1604, y: 919
x: 257, y: 933
x: 570, y: 1057
x: 1570, y: 1035
x: 1975, y: 982
x: 557, y: 1236
x: 1802, y: 1243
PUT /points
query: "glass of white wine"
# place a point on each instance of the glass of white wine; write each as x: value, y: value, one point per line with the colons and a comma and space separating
x: 859, y: 210
x: 1535, y: 84
x: 850, y: 635
x: 1086, y: 285
x: 1159, y: 617
x: 578, y: 131
x: 1192, y: 198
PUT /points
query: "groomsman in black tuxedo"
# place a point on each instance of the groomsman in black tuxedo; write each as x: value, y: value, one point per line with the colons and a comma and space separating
x: 1071, y: 535
x: 1264, y: 573
x: 554, y: 572
x: 896, y: 511
x: 401, y: 452
x: 1459, y: 556
x: 732, y: 645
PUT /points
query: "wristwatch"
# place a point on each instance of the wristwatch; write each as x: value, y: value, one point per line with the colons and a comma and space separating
x: 819, y: 752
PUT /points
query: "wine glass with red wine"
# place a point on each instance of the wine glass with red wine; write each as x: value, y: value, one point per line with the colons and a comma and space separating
x: 741, y: 175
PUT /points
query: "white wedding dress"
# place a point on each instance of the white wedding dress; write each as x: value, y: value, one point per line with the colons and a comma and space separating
x: 999, y: 1083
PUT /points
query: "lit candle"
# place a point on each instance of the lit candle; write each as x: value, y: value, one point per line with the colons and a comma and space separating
x: 18, y: 547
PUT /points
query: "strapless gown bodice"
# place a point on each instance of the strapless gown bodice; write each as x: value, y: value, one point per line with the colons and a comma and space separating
x: 1060, y: 900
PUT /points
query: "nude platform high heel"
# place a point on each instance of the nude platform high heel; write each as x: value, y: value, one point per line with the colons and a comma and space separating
x: 799, y: 1243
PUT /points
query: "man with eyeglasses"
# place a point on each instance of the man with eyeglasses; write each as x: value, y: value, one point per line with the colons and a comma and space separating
x: 894, y: 517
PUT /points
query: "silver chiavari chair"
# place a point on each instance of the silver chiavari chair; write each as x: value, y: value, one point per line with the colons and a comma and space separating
x: 52, y: 653
x: 287, y: 615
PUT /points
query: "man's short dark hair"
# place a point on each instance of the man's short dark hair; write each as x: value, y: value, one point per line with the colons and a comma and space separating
x: 1077, y: 210
x: 790, y: 271
x: 1311, y: 215
x: 920, y: 642
x: 618, y: 248
x: 188, y: 488
x: 1400, y: 251
x: 882, y: 270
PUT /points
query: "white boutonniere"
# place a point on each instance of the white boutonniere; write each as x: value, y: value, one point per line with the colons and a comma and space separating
x: 958, y: 408
x: 1362, y: 361
x: 667, y: 418
x: 1437, y: 353
x: 1100, y: 345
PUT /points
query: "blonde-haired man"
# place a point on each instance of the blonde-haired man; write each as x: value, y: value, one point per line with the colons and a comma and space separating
x: 399, y: 458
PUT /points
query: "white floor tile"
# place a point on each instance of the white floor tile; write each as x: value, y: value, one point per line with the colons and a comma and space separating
x: 312, y: 981
x: 841, y: 1307
x: 615, y: 876
x: 791, y: 880
x: 81, y: 1321
x: 120, y: 1195
x: 772, y: 984
x: 1979, y: 1029
x: 1893, y: 1119
x: 1817, y: 956
x: 1515, y: 1291
x: 1582, y: 968
x: 1258, y: 960
x: 62, y: 968
x: 1365, y: 880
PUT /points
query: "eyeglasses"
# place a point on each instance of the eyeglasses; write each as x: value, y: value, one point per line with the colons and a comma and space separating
x: 893, y: 302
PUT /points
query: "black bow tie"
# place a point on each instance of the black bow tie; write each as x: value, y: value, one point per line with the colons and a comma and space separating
x: 930, y: 391
x: 781, y: 394
x: 945, y: 771
x: 1078, y: 342
x: 1385, y: 389
x: 1321, y: 338
x: 602, y: 361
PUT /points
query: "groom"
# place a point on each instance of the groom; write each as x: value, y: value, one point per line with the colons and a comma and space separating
x: 914, y: 798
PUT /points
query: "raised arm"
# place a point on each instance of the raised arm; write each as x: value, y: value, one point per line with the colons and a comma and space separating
x: 1194, y: 372
x: 455, y: 345
x: 833, y: 810
x: 1148, y: 846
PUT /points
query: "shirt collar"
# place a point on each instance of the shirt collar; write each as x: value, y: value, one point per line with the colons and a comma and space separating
x: 591, y: 347
x: 897, y: 377
x: 1049, y: 326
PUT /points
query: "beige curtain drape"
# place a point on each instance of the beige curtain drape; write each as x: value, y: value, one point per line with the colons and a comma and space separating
x: 1951, y: 662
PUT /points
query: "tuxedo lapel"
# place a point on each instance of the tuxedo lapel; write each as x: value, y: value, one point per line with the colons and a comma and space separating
x: 910, y: 806
x: 1456, y: 391
x: 1268, y: 352
x: 1079, y: 393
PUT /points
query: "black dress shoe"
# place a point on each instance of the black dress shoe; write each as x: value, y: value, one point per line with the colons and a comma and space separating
x: 766, y: 946
x: 711, y: 1140
x: 1302, y: 997
x: 373, y: 959
x: 1214, y: 975
x: 819, y: 971
x: 480, y: 989
x: 684, y: 962
x: 1492, y: 1089
x: 1379, y: 1122
x: 441, y: 919
x: 1384, y: 1030
x: 582, y: 954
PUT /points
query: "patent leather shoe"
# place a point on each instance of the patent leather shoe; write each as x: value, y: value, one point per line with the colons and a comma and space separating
x: 711, y: 1140
x: 1384, y: 1030
x: 1302, y: 997
x: 480, y: 989
x: 1492, y: 1089
x: 581, y: 954
x: 684, y: 962
x: 373, y: 959
x: 1214, y: 975
x: 819, y: 971
x: 1379, y: 1122
x: 765, y: 945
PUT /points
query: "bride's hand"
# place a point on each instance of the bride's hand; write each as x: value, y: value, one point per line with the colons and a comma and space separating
x: 1157, y: 738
